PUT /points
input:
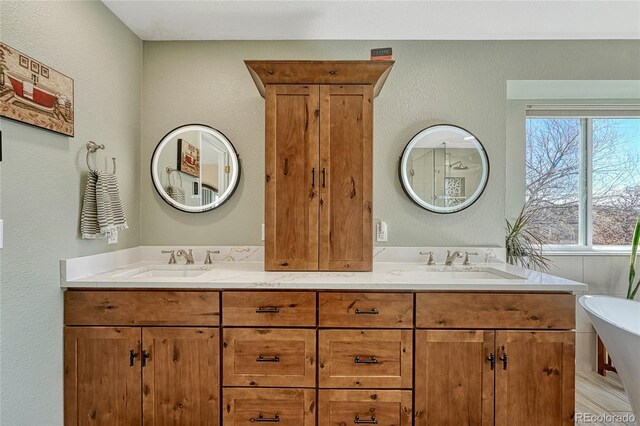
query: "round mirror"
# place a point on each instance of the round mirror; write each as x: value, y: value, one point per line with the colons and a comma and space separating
x: 444, y: 169
x: 195, y: 168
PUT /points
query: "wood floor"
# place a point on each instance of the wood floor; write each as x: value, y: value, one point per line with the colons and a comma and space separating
x: 598, y: 396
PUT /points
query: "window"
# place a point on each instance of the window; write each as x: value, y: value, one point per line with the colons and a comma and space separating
x: 583, y: 179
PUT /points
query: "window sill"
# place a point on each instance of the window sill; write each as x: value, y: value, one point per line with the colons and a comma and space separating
x: 587, y: 251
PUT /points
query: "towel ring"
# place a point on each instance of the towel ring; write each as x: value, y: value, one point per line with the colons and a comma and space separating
x: 92, y: 147
x: 171, y: 170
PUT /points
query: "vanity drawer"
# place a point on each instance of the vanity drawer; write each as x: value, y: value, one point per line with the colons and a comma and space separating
x: 365, y: 358
x: 287, y: 407
x: 382, y: 407
x: 496, y: 310
x: 269, y: 357
x: 141, y: 307
x: 269, y: 308
x: 376, y: 310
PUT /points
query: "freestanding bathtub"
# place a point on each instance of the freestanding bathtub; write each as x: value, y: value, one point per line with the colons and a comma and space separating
x: 617, y: 322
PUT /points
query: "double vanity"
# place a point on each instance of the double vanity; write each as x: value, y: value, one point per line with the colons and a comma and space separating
x: 228, y: 343
x: 317, y: 327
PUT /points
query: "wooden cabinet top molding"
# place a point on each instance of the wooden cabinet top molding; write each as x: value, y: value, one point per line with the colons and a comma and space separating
x: 319, y: 72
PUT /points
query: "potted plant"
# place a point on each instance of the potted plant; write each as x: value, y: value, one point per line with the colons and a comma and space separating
x: 524, y: 246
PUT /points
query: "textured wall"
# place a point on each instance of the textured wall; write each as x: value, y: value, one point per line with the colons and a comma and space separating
x: 42, y: 181
x: 456, y: 82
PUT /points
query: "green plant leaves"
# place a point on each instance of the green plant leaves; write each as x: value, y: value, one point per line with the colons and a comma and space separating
x: 631, y: 292
x: 524, y: 247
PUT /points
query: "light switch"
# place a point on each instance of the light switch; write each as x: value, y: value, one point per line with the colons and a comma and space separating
x: 1, y: 233
x: 263, y: 232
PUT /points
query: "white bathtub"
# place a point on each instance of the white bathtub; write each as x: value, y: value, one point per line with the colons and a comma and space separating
x: 617, y: 322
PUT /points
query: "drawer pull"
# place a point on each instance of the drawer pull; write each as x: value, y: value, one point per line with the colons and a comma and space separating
x: 268, y: 310
x: 264, y: 359
x: 262, y: 419
x: 373, y: 311
x: 370, y: 360
x: 372, y: 421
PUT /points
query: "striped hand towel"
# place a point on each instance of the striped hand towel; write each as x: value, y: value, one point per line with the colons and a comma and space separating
x: 102, y: 212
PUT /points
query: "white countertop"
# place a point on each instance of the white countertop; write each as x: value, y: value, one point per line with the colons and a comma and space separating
x: 385, y: 276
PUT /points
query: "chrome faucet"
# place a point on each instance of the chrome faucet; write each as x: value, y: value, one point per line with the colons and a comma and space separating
x: 450, y: 257
x: 172, y: 259
x: 430, y: 261
x: 188, y: 256
x: 466, y: 261
x: 207, y: 260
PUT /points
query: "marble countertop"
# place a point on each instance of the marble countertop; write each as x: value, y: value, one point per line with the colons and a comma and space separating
x: 415, y: 276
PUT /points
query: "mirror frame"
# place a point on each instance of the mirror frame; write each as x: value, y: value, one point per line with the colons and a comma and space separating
x: 404, y: 182
x: 235, y: 165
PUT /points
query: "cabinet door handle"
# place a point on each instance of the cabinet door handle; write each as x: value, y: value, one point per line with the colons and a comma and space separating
x: 262, y: 419
x: 313, y: 177
x: 371, y: 421
x: 503, y: 358
x: 265, y: 359
x: 324, y: 177
x: 372, y: 311
x: 268, y: 310
x: 492, y: 360
x: 370, y: 360
x: 132, y: 356
x: 145, y: 357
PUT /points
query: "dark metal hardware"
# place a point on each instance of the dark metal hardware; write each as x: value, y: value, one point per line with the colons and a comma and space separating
x: 372, y: 421
x: 264, y: 359
x: 503, y: 358
x: 492, y: 360
x: 324, y: 177
x: 262, y: 419
x: 268, y: 310
x: 313, y: 177
x: 145, y: 356
x: 372, y: 311
x: 132, y: 356
x: 370, y: 360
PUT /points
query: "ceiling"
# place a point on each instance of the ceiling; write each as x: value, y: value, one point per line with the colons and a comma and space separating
x: 379, y: 20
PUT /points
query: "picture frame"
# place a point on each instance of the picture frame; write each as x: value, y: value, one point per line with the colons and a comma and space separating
x: 188, y: 158
x: 47, y: 104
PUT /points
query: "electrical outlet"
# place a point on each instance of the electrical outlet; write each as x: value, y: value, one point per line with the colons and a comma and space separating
x: 263, y: 232
x: 382, y: 234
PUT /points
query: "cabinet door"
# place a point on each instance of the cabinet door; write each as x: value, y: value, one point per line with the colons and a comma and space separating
x: 181, y: 378
x: 346, y: 163
x: 535, y: 385
x: 454, y: 377
x: 101, y: 378
x: 291, y: 188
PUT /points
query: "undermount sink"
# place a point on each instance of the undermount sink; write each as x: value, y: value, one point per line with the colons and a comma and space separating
x: 470, y: 273
x: 164, y: 271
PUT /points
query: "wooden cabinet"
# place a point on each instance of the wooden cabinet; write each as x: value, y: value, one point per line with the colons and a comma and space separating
x: 381, y: 407
x: 287, y: 407
x: 102, y: 373
x: 180, y: 376
x: 319, y: 162
x: 366, y: 310
x: 454, y: 377
x: 269, y: 308
x: 535, y: 381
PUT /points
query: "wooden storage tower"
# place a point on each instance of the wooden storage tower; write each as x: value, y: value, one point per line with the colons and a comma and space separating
x: 319, y: 162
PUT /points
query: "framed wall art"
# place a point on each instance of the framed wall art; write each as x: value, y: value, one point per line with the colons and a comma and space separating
x: 35, y: 94
x: 188, y: 158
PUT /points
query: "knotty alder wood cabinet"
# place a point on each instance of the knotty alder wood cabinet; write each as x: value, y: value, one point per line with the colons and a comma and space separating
x: 319, y: 162
x: 160, y: 357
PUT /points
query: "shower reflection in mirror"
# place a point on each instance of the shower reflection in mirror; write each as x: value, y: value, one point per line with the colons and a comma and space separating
x: 444, y: 168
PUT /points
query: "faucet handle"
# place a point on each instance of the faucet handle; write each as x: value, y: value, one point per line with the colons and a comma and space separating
x: 207, y: 260
x: 489, y: 255
x: 466, y: 261
x: 430, y: 261
x: 172, y: 259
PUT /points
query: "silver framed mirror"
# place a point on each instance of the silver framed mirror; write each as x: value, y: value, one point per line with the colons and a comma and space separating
x: 195, y: 168
x: 444, y: 169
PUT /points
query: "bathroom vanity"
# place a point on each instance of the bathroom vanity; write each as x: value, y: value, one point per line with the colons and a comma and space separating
x: 231, y: 344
